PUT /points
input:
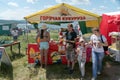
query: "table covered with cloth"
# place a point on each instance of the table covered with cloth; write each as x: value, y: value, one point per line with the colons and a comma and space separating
x: 54, y: 55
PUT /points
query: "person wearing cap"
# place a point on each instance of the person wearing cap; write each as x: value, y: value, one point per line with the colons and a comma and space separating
x: 81, y: 56
x: 44, y: 43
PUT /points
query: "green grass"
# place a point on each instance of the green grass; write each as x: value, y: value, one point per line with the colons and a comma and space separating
x: 20, y: 68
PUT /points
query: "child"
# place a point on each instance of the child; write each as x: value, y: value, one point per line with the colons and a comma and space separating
x: 81, y: 56
x: 61, y: 45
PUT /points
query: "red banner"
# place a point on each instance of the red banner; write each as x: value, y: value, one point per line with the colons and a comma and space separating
x: 62, y: 18
x: 53, y: 55
x: 33, y: 52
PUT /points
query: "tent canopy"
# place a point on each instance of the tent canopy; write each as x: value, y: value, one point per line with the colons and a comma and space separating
x: 61, y: 13
x: 110, y: 23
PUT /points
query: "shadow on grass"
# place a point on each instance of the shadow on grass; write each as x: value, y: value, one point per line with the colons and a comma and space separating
x: 6, y: 71
x: 57, y: 71
x: 15, y: 56
x: 34, y: 71
x: 110, y: 69
x: 111, y: 60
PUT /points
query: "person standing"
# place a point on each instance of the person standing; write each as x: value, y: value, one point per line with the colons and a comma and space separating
x: 97, y: 52
x: 14, y: 33
x: 43, y: 44
x: 76, y: 29
x: 60, y: 32
x: 70, y: 47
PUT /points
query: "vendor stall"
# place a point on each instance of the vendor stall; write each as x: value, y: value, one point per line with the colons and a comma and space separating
x: 110, y: 27
x: 63, y: 13
x: 110, y: 23
x: 53, y: 54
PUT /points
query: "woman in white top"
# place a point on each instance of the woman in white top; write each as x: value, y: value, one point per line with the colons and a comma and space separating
x: 97, y: 52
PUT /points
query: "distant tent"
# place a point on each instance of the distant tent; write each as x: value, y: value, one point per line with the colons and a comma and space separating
x: 5, y: 27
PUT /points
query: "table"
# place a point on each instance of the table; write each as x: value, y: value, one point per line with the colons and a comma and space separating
x: 116, y: 53
x: 11, y: 44
x: 33, y: 53
x: 54, y: 56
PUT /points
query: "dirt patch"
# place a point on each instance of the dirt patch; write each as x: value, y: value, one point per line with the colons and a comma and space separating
x: 112, y: 70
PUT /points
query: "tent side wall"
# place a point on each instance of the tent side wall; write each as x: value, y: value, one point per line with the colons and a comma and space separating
x: 86, y: 26
x: 83, y: 27
x: 92, y: 23
x: 106, y: 27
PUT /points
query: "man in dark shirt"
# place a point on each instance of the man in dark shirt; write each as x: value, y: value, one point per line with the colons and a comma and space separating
x: 70, y: 47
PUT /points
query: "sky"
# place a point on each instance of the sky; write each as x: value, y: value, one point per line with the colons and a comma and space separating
x: 18, y: 9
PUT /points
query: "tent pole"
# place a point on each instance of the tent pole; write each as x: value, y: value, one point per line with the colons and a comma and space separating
x: 99, y: 20
x: 27, y: 32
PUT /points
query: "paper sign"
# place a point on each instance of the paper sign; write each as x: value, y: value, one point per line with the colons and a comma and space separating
x: 5, y: 27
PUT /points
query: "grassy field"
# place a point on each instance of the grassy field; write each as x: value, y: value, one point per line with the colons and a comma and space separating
x: 20, y: 69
